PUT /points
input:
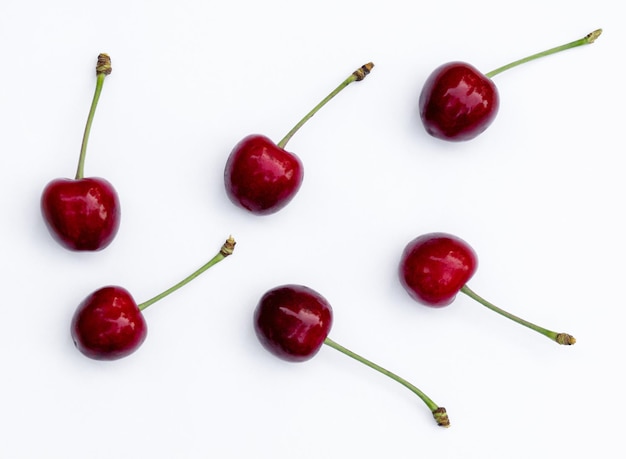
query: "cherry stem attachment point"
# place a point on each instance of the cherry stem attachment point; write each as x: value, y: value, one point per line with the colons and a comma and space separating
x: 586, y: 40
x: 357, y: 75
x: 439, y: 413
x: 227, y: 249
x: 103, y: 68
x: 560, y: 338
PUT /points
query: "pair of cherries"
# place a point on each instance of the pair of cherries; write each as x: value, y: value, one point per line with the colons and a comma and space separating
x: 294, y: 321
x: 83, y: 214
x: 457, y: 103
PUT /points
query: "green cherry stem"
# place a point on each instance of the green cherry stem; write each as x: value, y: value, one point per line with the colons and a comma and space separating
x: 357, y: 75
x: 227, y: 249
x: 560, y: 338
x: 586, y: 40
x: 439, y: 413
x: 103, y: 68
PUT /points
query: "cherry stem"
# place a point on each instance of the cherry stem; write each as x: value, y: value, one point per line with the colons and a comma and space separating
x: 357, y: 75
x: 586, y: 40
x: 439, y: 413
x: 103, y: 68
x: 560, y: 338
x: 227, y: 249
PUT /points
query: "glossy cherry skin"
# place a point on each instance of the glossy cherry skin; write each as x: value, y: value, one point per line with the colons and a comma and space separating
x: 435, y: 266
x: 261, y: 177
x: 458, y: 102
x: 81, y: 214
x: 108, y: 325
x: 292, y: 322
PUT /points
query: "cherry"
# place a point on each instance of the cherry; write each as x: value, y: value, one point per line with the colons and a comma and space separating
x: 109, y: 325
x: 261, y: 176
x: 293, y: 322
x: 458, y: 102
x: 434, y: 267
x: 83, y: 214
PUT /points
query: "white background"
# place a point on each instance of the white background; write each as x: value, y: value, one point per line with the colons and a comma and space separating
x: 539, y: 196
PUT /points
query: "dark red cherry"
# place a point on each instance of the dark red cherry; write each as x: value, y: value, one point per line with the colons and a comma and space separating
x: 261, y: 176
x: 458, y: 102
x: 108, y: 325
x: 434, y: 267
x: 292, y: 322
x: 81, y: 214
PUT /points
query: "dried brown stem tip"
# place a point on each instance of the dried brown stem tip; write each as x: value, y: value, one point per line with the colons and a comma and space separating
x: 104, y: 64
x: 441, y: 416
x: 591, y: 37
x: 228, y: 247
x: 363, y: 71
x: 564, y: 338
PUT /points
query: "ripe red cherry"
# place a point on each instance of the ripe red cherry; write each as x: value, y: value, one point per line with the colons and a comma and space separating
x: 83, y: 214
x: 109, y: 325
x: 458, y: 102
x: 293, y: 322
x: 434, y: 267
x: 261, y: 176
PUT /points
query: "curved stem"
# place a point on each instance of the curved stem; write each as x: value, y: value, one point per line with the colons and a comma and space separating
x: 103, y: 68
x: 439, y: 413
x: 226, y: 250
x: 561, y: 338
x: 357, y: 75
x: 586, y: 40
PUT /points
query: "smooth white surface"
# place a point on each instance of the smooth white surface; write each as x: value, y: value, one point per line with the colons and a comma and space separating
x: 539, y: 196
